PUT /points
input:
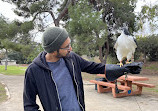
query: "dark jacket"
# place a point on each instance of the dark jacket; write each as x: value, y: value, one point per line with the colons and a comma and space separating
x: 39, y: 81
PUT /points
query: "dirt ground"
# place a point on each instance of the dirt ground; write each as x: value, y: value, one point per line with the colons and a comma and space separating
x: 94, y: 101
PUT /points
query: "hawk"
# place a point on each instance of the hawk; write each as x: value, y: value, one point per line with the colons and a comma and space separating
x: 125, y: 46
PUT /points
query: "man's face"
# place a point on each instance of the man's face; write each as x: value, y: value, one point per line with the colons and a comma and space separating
x: 64, y: 49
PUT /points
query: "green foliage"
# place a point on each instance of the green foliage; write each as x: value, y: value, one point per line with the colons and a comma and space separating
x: 11, y: 30
x: 148, y: 46
x: 34, y: 52
x: 26, y: 26
x: 7, y: 44
x: 92, y: 23
x: 150, y: 14
x: 8, y: 30
x: 153, y: 48
x: 19, y: 57
x: 119, y: 13
x: 111, y: 59
x: 3, y: 26
x: 24, y: 54
x: 86, y: 28
x: 38, y: 6
x: 14, y: 36
x: 39, y: 10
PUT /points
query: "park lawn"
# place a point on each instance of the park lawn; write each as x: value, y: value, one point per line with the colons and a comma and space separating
x: 12, y: 70
x: 3, y: 95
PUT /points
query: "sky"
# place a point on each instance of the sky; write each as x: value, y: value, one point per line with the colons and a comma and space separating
x: 146, y: 28
x: 6, y: 9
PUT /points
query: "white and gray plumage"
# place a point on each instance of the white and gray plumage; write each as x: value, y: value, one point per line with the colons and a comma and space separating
x: 125, y: 46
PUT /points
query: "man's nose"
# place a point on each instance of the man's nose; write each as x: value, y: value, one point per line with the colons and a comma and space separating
x: 70, y: 48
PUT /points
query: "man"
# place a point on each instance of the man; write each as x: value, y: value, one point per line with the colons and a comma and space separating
x: 55, y: 75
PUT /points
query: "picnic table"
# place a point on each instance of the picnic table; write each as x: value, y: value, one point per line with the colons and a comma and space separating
x: 123, y: 86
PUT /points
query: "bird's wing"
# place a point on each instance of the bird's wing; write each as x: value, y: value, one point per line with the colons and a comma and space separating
x: 133, y: 41
x: 116, y: 45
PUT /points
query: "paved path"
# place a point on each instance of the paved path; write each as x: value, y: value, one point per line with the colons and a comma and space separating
x: 15, y: 87
x: 105, y: 102
x: 93, y: 100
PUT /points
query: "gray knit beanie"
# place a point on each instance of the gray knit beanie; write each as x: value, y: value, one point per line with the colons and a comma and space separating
x: 53, y: 38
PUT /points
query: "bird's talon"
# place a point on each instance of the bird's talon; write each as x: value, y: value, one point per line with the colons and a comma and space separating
x: 120, y: 64
x: 128, y: 62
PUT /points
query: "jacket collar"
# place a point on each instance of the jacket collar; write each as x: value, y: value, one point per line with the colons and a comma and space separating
x: 41, y: 61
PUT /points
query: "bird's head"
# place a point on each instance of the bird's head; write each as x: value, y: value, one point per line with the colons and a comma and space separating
x: 125, y: 31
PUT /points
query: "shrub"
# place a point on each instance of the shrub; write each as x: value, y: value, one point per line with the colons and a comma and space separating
x: 148, y: 46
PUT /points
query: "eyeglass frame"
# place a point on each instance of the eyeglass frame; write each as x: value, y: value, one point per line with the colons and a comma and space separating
x: 67, y: 47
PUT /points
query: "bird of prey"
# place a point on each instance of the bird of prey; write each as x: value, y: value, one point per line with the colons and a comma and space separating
x: 125, y: 46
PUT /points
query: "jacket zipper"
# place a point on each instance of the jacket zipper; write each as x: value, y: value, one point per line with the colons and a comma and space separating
x: 55, y: 87
x: 57, y: 91
x: 77, y: 87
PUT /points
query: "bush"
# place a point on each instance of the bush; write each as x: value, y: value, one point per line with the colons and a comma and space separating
x: 148, y: 46
x: 112, y: 59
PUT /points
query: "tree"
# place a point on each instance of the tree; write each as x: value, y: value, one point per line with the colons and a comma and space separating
x: 147, y: 43
x: 148, y: 47
x: 149, y: 13
x: 36, y: 50
x: 114, y: 15
x: 40, y: 9
x: 14, y: 35
x: 13, y: 55
x: 87, y: 30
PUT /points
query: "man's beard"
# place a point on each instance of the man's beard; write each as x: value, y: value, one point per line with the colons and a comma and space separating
x: 61, y: 56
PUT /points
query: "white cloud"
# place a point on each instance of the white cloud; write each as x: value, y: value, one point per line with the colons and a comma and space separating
x: 146, y: 26
x: 6, y: 10
x: 140, y: 3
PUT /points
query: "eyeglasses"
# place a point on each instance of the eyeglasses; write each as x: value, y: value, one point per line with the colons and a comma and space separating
x: 67, y: 47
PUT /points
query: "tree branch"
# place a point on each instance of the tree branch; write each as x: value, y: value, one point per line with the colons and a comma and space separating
x: 63, y: 12
x: 52, y: 14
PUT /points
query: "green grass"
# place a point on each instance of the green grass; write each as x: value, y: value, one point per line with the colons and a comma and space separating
x: 88, y: 77
x: 3, y: 95
x: 151, y: 66
x: 155, y: 89
x: 12, y: 70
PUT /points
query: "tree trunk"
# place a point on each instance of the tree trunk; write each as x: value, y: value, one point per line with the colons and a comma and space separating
x: 6, y: 62
x: 101, y: 54
x: 61, y: 14
x: 56, y: 22
x: 100, y: 49
x: 107, y: 49
x: 101, y: 57
x: 144, y: 58
x: 106, y: 46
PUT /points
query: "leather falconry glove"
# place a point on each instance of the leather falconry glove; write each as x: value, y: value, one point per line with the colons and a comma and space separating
x: 114, y: 71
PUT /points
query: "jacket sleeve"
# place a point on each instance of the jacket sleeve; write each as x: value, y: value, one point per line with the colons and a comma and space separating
x: 90, y: 67
x: 29, y: 93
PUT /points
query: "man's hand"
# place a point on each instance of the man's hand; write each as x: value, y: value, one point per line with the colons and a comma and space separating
x: 114, y: 71
x: 134, y: 67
